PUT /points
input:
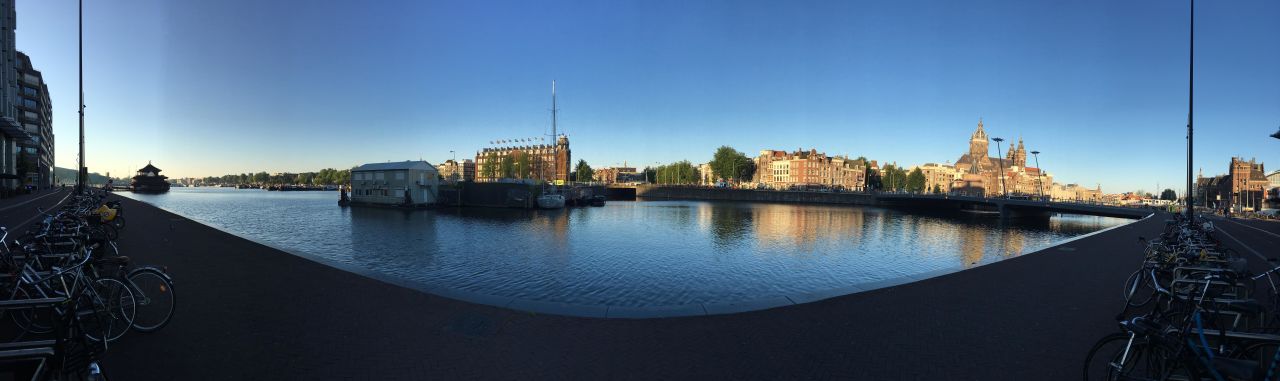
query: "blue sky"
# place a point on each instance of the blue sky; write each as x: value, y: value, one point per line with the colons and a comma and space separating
x: 1100, y: 87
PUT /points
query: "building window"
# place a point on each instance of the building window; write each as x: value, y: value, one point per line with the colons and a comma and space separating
x: 399, y: 175
x: 379, y: 176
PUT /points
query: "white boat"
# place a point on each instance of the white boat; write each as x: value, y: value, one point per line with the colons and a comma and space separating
x: 551, y: 201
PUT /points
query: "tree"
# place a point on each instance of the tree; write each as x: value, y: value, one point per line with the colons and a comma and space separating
x: 873, y: 178
x: 507, y: 169
x: 894, y: 178
x: 584, y: 171
x: 681, y: 172
x: 520, y: 164
x: 915, y: 181
x: 651, y: 175
x: 491, y: 167
x: 729, y: 164
x: 937, y: 189
x: 1169, y: 194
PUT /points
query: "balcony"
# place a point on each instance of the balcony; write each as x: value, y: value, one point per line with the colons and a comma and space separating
x: 30, y: 79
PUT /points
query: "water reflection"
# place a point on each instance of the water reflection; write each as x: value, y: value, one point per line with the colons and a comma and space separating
x: 730, y: 224
x: 393, y: 239
x: 647, y: 253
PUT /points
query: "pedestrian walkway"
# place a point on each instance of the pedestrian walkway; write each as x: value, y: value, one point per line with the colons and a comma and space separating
x: 248, y: 311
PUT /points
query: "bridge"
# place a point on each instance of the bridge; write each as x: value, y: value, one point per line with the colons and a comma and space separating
x: 1008, y: 207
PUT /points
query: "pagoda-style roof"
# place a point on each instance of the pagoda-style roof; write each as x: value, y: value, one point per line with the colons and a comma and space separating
x: 149, y: 168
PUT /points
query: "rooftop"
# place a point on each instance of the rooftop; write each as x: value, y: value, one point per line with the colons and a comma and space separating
x: 397, y: 165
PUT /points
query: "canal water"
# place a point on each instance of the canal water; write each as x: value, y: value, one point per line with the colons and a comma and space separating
x: 627, y: 253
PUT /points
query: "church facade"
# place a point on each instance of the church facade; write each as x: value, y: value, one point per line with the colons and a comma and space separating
x: 980, y: 174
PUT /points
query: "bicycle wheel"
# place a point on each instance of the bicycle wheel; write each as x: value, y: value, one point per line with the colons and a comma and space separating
x: 155, y: 296
x: 1116, y: 357
x: 113, y: 304
x: 1138, y: 290
x: 118, y: 222
x: 36, y: 321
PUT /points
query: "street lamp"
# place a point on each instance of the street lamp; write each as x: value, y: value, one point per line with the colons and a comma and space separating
x: 1040, y: 174
x: 81, y: 171
x: 1277, y: 134
x: 1001, y: 163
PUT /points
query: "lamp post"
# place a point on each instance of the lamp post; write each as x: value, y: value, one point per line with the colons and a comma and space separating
x: 1191, y: 76
x: 81, y: 171
x: 1040, y: 174
x: 1277, y: 134
x: 1001, y: 164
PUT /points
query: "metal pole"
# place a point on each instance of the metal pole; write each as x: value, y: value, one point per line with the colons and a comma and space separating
x: 1191, y: 75
x: 80, y: 176
x: 1040, y: 174
x: 1003, y: 190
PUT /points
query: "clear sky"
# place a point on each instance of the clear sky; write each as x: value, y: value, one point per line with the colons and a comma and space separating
x: 1100, y: 87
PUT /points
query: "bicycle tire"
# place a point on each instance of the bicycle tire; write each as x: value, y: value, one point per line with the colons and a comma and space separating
x: 1138, y: 290
x: 113, y: 303
x: 156, y: 298
x: 35, y: 321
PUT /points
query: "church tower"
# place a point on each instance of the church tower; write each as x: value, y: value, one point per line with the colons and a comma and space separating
x: 978, y: 144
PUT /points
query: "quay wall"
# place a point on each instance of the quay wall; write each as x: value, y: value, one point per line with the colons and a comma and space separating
x: 697, y: 193
x: 496, y: 195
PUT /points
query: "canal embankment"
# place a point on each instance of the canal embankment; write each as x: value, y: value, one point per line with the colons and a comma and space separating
x: 249, y: 311
x: 752, y: 195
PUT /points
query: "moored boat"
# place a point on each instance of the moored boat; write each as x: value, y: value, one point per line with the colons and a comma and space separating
x: 149, y: 180
x: 551, y: 201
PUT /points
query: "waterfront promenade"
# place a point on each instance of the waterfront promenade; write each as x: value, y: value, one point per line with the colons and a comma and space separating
x: 247, y: 311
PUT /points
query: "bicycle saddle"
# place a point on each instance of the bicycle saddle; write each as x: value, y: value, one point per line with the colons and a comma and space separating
x: 119, y: 260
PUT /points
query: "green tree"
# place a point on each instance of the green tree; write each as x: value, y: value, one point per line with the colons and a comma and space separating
x: 507, y: 169
x: 343, y: 177
x: 261, y: 177
x: 729, y: 164
x: 492, y: 166
x: 937, y: 189
x: 520, y: 163
x: 873, y: 178
x: 916, y: 181
x: 1169, y: 194
x: 894, y: 178
x: 583, y: 171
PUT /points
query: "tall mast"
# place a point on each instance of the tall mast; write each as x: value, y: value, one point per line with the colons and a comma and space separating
x: 553, y: 111
x: 555, y: 143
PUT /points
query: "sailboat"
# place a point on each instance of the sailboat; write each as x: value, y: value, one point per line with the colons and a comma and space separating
x: 550, y: 199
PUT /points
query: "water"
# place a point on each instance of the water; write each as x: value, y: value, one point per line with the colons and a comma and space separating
x: 634, y: 254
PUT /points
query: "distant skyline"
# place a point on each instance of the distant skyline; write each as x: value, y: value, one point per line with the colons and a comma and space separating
x: 1099, y: 87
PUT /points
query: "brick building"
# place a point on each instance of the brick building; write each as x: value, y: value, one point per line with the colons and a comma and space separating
x: 1243, y: 188
x: 539, y: 162
x: 781, y: 170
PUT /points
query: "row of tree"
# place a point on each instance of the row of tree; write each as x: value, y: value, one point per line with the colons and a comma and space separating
x: 680, y: 172
x: 327, y: 176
